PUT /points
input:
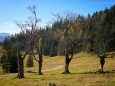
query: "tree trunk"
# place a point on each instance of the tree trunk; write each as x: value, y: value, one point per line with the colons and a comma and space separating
x: 67, y: 61
x: 20, y: 66
x: 40, y: 64
x: 66, y: 68
x: 102, y: 62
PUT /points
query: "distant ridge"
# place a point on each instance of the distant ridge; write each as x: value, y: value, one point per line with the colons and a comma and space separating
x: 2, y: 36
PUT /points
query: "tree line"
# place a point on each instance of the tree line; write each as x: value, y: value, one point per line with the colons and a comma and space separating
x: 69, y: 34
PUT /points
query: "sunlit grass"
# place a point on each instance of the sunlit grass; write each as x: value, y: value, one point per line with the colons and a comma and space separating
x: 83, y: 70
x: 48, y: 63
x: 74, y: 79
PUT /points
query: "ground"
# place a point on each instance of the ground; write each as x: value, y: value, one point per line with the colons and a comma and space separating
x: 84, y: 72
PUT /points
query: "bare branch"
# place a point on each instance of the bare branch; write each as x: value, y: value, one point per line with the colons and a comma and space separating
x: 26, y: 53
x: 36, y: 59
x: 21, y: 25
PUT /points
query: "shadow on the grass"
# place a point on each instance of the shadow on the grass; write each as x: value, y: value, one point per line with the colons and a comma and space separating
x: 31, y: 72
x: 90, y: 72
x: 98, y: 72
x: 68, y: 73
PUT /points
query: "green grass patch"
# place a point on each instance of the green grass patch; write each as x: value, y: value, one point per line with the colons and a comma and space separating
x: 72, y: 79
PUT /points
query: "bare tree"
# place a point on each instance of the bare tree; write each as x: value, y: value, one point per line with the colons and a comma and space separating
x: 38, y: 48
x: 28, y: 28
x: 102, y: 52
x: 69, y: 32
x: 103, y: 38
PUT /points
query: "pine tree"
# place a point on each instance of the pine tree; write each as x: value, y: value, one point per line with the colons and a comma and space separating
x: 9, y: 62
x: 29, y: 61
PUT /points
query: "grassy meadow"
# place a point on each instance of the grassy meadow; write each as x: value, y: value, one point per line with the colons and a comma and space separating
x: 83, y: 70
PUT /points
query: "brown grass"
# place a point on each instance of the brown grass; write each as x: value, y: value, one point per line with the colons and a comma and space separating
x: 83, y: 70
x: 0, y: 69
x: 1, y: 49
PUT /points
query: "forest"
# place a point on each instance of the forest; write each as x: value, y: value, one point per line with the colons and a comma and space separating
x: 69, y: 34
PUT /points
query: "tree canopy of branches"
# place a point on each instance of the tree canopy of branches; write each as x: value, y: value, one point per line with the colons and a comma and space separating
x: 69, y: 31
x: 68, y: 35
x: 28, y: 29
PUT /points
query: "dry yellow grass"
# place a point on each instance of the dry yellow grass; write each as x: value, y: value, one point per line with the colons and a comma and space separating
x: 1, y: 49
x: 48, y: 63
x: 83, y: 73
x: 0, y: 69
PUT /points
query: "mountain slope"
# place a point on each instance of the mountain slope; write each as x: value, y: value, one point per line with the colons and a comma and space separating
x: 2, y: 36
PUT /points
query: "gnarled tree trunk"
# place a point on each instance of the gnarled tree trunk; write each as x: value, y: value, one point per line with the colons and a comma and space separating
x: 66, y: 70
x: 39, y: 51
x: 67, y: 62
x: 20, y: 66
x: 102, y: 61
x: 40, y: 64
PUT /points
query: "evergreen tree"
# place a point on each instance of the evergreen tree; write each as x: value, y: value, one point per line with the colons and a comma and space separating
x: 29, y: 61
x: 53, y: 49
x: 9, y: 62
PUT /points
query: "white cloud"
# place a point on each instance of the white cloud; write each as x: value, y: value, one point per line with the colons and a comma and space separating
x: 12, y: 28
x: 9, y: 27
x: 44, y: 24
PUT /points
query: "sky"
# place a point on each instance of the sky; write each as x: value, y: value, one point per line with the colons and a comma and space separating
x: 16, y: 10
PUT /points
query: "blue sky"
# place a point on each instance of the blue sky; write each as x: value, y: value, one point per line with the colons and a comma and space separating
x: 11, y: 10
